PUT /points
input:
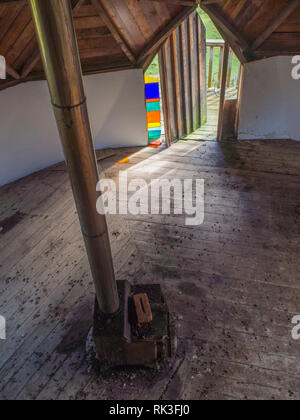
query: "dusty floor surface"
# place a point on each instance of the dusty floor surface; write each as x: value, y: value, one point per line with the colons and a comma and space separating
x: 232, y: 283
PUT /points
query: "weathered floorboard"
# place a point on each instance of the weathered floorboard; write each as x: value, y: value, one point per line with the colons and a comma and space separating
x: 232, y: 283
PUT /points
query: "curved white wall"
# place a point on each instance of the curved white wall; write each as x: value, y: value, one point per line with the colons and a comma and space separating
x: 270, y: 101
x: 29, y: 138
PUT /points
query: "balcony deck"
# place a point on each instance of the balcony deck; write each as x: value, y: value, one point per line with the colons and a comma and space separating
x: 209, y: 130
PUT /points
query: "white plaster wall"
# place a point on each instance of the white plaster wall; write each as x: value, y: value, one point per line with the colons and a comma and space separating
x: 28, y: 135
x: 270, y: 101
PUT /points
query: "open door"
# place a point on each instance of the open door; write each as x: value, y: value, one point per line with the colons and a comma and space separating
x: 182, y: 62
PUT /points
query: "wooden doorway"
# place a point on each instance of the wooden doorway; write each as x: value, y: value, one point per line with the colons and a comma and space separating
x: 200, y: 84
x: 182, y: 61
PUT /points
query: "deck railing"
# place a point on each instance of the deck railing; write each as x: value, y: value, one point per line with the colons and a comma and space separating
x: 213, y: 82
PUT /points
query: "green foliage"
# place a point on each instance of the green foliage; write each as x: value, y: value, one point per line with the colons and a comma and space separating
x: 211, y: 30
x: 153, y: 69
x: 213, y: 33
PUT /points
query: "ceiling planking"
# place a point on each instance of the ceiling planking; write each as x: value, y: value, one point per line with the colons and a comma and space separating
x: 122, y: 34
x: 257, y: 28
x: 112, y: 34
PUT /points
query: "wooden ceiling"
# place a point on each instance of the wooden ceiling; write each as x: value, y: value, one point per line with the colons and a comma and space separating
x: 257, y: 28
x: 112, y: 34
x: 121, y: 34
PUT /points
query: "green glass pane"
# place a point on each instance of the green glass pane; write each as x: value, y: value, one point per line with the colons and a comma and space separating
x: 153, y: 106
x: 154, y: 135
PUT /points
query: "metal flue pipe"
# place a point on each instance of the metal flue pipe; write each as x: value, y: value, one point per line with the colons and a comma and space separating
x: 58, y: 46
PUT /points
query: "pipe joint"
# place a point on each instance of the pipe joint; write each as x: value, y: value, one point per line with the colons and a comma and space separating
x: 70, y: 106
x: 95, y: 236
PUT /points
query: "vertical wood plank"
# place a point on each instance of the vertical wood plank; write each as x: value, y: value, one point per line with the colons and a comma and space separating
x: 179, y: 88
x: 194, y: 71
x: 230, y: 68
x: 240, y: 92
x: 186, y: 78
x: 165, y: 95
x: 202, y: 70
x: 220, y: 66
x: 169, y: 62
x: 223, y: 91
x: 210, y: 71
x: 239, y: 77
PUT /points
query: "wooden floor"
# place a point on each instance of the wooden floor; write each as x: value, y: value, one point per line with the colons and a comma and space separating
x: 232, y: 284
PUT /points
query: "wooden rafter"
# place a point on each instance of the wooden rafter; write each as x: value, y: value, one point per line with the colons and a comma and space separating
x: 108, y: 20
x: 229, y: 29
x: 30, y: 64
x: 148, y: 60
x: 283, y: 15
x: 231, y: 35
x: 223, y: 91
x: 12, y: 72
x: 206, y: 2
x: 118, y: 35
x: 236, y: 48
x: 178, y: 2
x: 160, y: 38
x: 13, y: 3
x: 5, y: 84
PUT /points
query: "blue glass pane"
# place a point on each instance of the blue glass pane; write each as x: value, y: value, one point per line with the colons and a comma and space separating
x: 152, y: 91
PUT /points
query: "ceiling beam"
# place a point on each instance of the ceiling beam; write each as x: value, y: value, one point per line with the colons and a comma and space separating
x: 145, y: 63
x: 13, y: 2
x: 225, y: 25
x: 30, y: 64
x: 160, y: 38
x: 5, y: 84
x: 76, y: 4
x: 283, y: 15
x: 236, y: 48
x: 179, y: 2
x: 107, y: 19
x: 12, y: 72
x: 205, y: 2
